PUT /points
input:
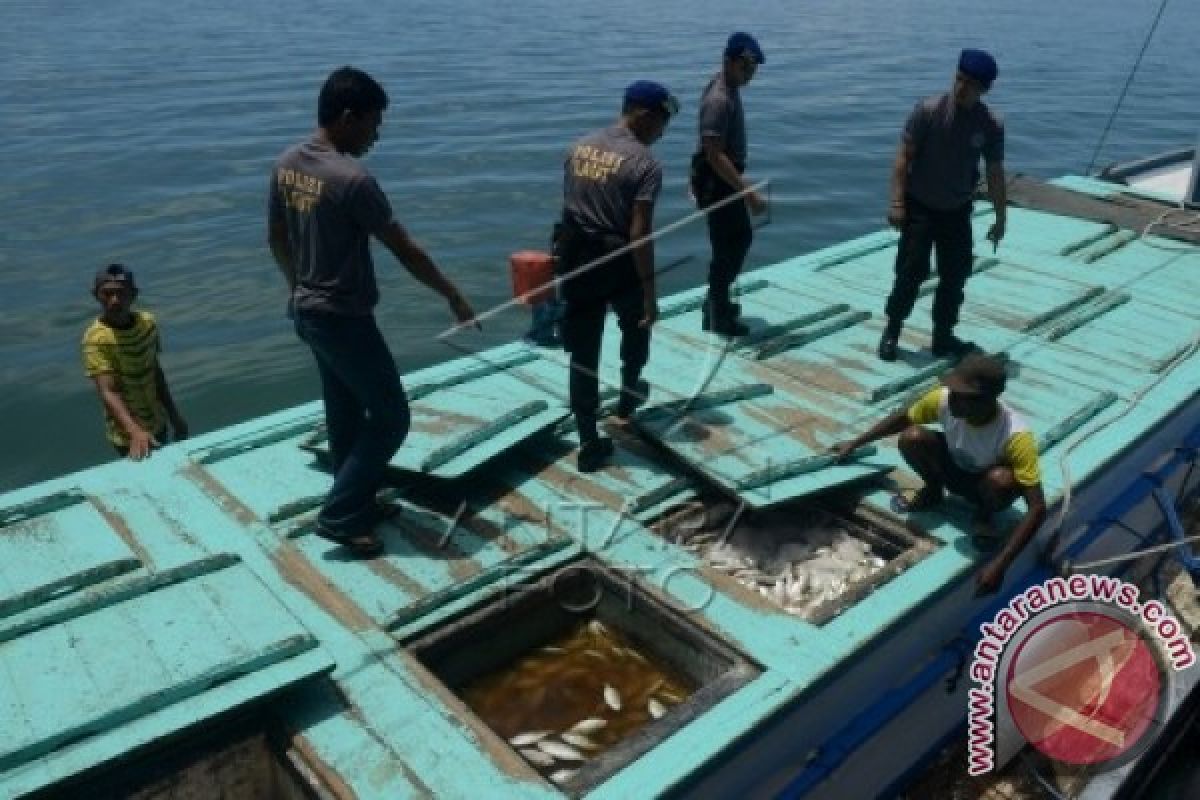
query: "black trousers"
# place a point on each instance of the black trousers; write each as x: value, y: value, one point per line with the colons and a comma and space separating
x: 729, y: 230
x: 588, y: 295
x: 924, y: 229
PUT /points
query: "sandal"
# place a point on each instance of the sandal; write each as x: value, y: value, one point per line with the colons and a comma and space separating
x: 366, y: 544
x: 923, y: 499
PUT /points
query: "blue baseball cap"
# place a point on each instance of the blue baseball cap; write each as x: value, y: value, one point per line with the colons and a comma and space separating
x: 980, y: 65
x: 651, y: 95
x: 741, y: 44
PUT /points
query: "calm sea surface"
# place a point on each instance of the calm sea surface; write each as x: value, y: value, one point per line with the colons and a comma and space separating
x: 144, y: 132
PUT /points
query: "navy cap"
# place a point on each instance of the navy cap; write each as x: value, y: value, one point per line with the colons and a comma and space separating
x: 980, y: 65
x: 741, y: 44
x: 114, y: 273
x: 651, y: 95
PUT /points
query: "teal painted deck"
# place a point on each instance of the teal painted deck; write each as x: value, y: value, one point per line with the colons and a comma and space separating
x: 130, y: 592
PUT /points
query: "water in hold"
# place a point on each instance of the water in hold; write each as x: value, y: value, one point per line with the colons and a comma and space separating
x: 575, y: 697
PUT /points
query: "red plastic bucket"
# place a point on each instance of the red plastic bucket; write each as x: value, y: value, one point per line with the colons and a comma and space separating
x: 532, y: 274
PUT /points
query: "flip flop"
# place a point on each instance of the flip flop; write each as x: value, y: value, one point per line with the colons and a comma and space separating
x: 922, y: 499
x: 364, y: 544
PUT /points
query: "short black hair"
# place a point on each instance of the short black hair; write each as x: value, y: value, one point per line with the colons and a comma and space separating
x: 349, y: 89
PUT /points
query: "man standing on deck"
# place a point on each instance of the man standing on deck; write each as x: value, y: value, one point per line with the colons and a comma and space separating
x: 610, y: 184
x: 933, y: 180
x: 716, y: 175
x: 984, y: 453
x: 323, y: 208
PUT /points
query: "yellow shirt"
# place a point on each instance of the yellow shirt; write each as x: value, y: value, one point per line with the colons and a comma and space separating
x: 131, y: 357
x: 1005, y: 440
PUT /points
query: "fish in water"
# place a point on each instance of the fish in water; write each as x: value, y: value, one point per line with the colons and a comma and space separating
x: 589, y: 725
x: 612, y: 698
x: 537, y: 757
x: 527, y: 738
x: 560, y: 750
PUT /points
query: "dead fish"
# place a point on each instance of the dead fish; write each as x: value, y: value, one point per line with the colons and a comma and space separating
x: 589, y: 725
x: 578, y: 740
x: 528, y: 738
x: 563, y: 775
x: 595, y: 654
x: 667, y: 694
x: 537, y: 757
x: 597, y: 627
x: 560, y: 750
x: 656, y: 708
x: 612, y: 698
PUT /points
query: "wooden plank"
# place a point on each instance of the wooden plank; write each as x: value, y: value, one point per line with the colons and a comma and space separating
x: 62, y: 550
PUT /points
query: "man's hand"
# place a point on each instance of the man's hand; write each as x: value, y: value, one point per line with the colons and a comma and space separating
x: 179, y: 428
x: 463, y: 311
x: 895, y: 215
x: 996, y: 233
x: 989, y: 579
x: 649, y: 312
x: 756, y: 203
x: 140, y: 444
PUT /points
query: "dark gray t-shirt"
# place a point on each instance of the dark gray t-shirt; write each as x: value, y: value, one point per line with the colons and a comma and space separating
x: 947, y: 143
x: 721, y: 115
x: 332, y: 206
x: 605, y: 173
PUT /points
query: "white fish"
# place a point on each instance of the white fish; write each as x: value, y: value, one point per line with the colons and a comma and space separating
x: 597, y: 627
x: 537, y: 757
x: 612, y: 698
x: 578, y: 740
x: 560, y: 750
x: 655, y: 708
x: 563, y: 775
x: 589, y: 725
x: 527, y: 738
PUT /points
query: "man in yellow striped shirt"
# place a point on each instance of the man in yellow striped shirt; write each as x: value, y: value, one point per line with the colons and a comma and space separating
x: 120, y: 355
x: 984, y: 453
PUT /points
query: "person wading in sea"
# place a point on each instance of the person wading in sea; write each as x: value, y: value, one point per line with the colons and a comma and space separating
x: 120, y: 355
x: 933, y: 181
x: 323, y: 208
x: 716, y: 175
x: 610, y: 183
x: 984, y: 453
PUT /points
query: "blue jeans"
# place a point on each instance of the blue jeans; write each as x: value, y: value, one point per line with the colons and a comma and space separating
x: 366, y: 412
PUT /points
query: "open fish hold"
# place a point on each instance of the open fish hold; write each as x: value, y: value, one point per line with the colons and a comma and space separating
x: 521, y: 664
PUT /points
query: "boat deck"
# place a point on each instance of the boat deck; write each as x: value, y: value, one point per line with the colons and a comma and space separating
x: 139, y: 599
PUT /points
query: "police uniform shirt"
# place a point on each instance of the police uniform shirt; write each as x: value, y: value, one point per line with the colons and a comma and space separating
x: 947, y: 142
x: 607, y: 172
x: 721, y: 116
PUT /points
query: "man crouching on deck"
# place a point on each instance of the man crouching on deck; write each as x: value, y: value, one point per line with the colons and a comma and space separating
x: 984, y: 453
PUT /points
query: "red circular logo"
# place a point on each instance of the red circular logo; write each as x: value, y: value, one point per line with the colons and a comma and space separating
x: 1083, y: 687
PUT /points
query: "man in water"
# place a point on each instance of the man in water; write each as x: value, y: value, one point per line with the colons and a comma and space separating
x: 606, y: 257
x: 120, y: 355
x: 717, y: 169
x: 324, y: 206
x: 984, y: 453
x: 933, y: 180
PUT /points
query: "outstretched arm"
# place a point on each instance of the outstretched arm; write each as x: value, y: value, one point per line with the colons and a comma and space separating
x: 414, y: 258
